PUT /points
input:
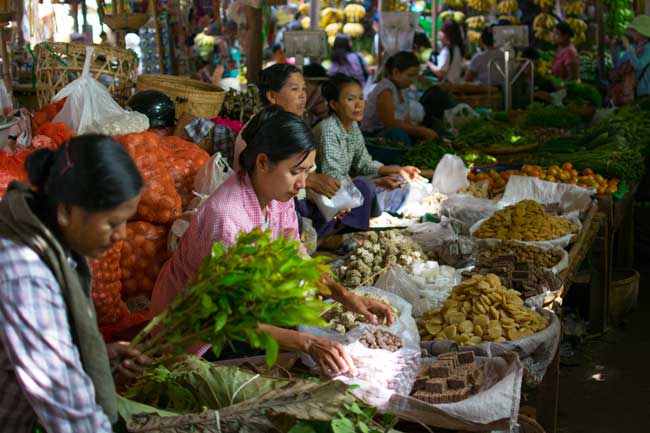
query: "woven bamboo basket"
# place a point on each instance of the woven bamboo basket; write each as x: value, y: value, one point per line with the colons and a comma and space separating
x: 529, y: 425
x: 190, y: 96
x: 58, y: 64
x: 476, y: 96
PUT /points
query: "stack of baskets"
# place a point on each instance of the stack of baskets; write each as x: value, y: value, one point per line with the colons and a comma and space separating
x: 58, y: 64
x: 190, y: 96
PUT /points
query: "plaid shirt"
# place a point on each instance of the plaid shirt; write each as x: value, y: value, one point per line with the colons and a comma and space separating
x: 41, y: 376
x: 222, y: 137
x: 343, y: 153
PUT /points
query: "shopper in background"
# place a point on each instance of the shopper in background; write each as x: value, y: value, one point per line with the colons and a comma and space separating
x: 55, y: 368
x: 635, y: 54
x: 387, y: 108
x: 347, y: 62
x: 566, y: 64
x: 448, y: 64
x: 422, y: 47
x: 479, y: 66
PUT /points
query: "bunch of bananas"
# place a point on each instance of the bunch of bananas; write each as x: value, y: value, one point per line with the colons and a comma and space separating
x: 453, y: 3
x: 545, y: 4
x: 354, y: 12
x: 513, y: 20
x: 333, y: 28
x: 543, y: 68
x: 456, y: 16
x: 354, y: 30
x: 543, y: 26
x: 304, y: 9
x: 476, y: 23
x: 575, y: 8
x: 507, y: 6
x: 205, y: 44
x: 329, y: 16
x: 479, y: 5
x: 305, y: 22
x: 398, y: 6
x: 473, y: 36
x: 579, y: 27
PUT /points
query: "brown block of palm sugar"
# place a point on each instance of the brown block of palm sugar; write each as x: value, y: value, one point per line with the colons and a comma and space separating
x: 436, y: 386
x: 457, y: 382
x: 466, y: 357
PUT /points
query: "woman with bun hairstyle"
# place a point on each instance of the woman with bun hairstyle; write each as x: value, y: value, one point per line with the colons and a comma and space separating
x: 279, y: 155
x: 54, y: 366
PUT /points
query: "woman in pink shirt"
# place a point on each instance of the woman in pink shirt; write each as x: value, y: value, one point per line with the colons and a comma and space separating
x: 566, y: 64
x: 274, y: 167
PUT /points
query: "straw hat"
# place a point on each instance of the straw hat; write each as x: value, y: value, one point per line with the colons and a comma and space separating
x: 641, y: 24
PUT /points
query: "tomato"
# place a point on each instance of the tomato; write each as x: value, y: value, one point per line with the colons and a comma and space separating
x: 567, y: 166
x: 587, y: 172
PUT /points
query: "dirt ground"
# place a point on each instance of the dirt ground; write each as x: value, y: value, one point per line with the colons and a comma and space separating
x: 609, y: 391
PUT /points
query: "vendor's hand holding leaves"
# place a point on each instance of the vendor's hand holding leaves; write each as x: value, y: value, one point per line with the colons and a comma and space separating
x: 129, y: 362
x: 323, y: 184
x: 330, y: 356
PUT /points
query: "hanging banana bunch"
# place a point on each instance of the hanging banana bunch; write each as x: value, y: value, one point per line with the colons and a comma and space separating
x: 304, y: 9
x: 480, y: 5
x: 354, y: 13
x: 456, y: 16
x: 305, y: 23
x: 545, y: 4
x: 329, y: 16
x: 333, y: 28
x: 543, y: 26
x: 476, y: 23
x: 579, y: 27
x: 575, y: 8
x: 507, y: 6
x: 473, y: 36
x: 354, y: 30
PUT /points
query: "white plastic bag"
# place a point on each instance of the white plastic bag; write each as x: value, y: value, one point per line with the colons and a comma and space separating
x: 178, y: 229
x: 209, y: 178
x: 90, y: 108
x: 459, y: 115
x: 467, y: 209
x: 309, y: 237
x: 450, y: 175
x: 6, y: 103
x: 347, y: 197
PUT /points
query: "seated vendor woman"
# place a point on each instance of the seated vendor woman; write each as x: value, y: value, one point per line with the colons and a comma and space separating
x: 55, y: 369
x: 280, y: 153
x: 387, y: 110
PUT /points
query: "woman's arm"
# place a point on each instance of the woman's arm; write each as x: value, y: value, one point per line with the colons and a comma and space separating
x: 386, y: 110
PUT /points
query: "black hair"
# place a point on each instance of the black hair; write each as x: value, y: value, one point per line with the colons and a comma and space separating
x: 276, y: 47
x: 454, y: 34
x: 340, y: 49
x: 274, y: 78
x: 401, y: 62
x: 276, y: 133
x: 420, y: 40
x: 487, y: 36
x: 314, y: 70
x: 93, y: 172
x: 331, y: 89
x: 565, y: 29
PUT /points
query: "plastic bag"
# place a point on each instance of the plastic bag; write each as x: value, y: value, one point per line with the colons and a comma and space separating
x: 459, y: 115
x: 107, y: 287
x: 309, y: 237
x: 160, y: 203
x: 6, y: 103
x: 467, y: 209
x: 90, y: 108
x: 178, y: 229
x: 18, y: 130
x: 347, y: 197
x: 450, y: 175
x: 209, y: 177
x: 184, y: 159
x: 432, y: 236
x: 143, y: 255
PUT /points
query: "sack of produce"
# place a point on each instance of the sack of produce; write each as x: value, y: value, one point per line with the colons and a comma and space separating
x: 386, y: 364
x: 46, y: 114
x: 107, y: 287
x: 209, y: 177
x: 347, y: 197
x: 90, y: 108
x: 12, y: 167
x: 143, y: 254
x: 160, y: 203
x: 463, y: 392
x: 450, y: 175
x: 183, y: 159
x: 57, y: 132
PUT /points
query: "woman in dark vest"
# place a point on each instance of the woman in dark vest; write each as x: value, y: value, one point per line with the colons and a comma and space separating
x: 55, y: 369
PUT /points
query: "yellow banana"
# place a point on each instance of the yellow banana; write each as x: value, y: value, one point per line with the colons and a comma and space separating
x: 453, y: 3
x: 304, y: 9
x: 476, y: 23
x: 507, y: 6
x: 305, y: 22
x: 473, y: 36
x: 479, y: 5
x: 575, y: 8
x: 544, y: 3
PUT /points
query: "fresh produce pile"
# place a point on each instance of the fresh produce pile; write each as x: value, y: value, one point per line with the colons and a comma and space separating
x: 377, y: 252
x: 340, y: 320
x: 549, y: 116
x: 525, y: 221
x: 256, y: 280
x: 481, y: 309
x: 544, y: 258
x: 619, y: 14
x: 583, y: 93
x: 484, y: 135
x: 143, y: 254
x: 632, y: 122
x: 378, y: 339
x: 241, y: 106
x: 428, y: 154
x: 183, y: 159
x: 452, y: 377
x: 107, y: 286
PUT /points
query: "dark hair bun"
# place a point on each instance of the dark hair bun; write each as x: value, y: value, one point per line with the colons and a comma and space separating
x: 331, y: 89
x: 38, y: 166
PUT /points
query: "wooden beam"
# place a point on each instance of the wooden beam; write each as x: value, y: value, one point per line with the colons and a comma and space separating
x: 254, y: 38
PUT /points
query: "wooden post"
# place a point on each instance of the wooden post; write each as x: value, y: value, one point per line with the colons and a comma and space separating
x: 254, y: 36
x: 314, y: 14
x: 74, y: 11
x: 434, y: 24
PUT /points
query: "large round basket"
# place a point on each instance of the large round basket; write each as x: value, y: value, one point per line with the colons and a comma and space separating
x: 58, y: 64
x: 190, y: 96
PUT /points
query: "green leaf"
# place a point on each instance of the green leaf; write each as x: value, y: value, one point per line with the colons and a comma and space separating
x: 220, y: 321
x: 355, y: 409
x: 342, y: 425
x: 363, y: 427
x: 302, y: 427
